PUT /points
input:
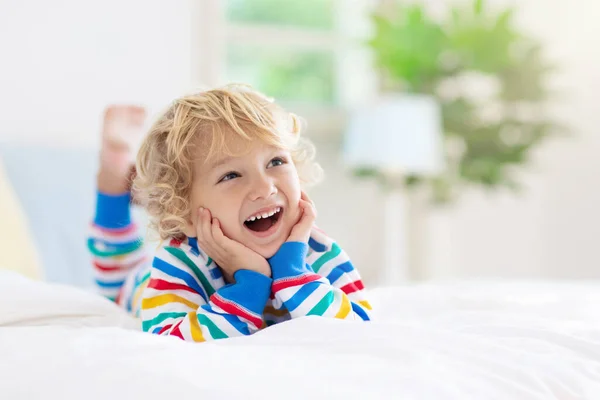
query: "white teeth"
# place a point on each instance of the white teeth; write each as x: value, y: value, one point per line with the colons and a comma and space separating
x: 264, y: 215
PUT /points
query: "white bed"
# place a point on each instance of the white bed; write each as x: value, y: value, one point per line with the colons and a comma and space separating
x: 478, y: 340
x: 470, y: 340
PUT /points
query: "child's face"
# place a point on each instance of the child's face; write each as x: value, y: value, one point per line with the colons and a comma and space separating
x: 261, y: 181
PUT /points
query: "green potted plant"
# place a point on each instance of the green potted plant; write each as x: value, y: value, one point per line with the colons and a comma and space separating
x: 489, y: 78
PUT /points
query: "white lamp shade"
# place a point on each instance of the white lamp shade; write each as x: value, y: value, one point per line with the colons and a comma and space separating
x: 399, y: 133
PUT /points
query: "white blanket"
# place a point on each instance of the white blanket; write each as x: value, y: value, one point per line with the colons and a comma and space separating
x: 456, y: 341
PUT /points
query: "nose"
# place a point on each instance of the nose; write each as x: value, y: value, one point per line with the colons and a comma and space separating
x: 262, y: 187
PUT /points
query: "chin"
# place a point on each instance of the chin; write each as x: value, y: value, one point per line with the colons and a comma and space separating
x: 268, y: 251
x: 266, y: 240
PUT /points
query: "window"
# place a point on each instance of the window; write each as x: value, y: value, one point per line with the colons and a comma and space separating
x: 285, y: 49
x: 286, y: 73
x: 308, y: 54
x: 313, y: 14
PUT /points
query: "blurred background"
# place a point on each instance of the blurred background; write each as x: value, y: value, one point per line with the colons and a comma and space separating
x: 511, y: 120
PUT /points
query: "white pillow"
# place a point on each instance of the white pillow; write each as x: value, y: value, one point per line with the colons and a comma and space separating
x: 24, y: 302
x: 17, y: 247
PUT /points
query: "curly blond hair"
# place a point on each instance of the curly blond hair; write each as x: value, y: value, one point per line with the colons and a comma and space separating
x: 181, y: 134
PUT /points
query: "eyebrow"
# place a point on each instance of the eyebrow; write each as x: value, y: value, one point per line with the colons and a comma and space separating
x: 220, y: 162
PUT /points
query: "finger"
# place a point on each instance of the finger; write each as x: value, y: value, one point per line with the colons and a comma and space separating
x: 203, y: 227
x: 308, y: 214
x: 218, y: 245
x: 199, y: 235
x: 308, y: 209
x: 205, y: 236
x: 304, y: 196
x: 212, y: 246
x: 301, y: 231
x: 217, y: 233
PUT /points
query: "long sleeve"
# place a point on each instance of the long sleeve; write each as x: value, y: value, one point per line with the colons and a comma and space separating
x: 116, y: 248
x: 303, y: 289
x: 181, y: 298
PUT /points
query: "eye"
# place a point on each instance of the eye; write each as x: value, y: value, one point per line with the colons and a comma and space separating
x: 229, y: 176
x: 277, y: 161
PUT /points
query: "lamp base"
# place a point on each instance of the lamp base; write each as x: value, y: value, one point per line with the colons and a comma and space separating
x: 395, y: 269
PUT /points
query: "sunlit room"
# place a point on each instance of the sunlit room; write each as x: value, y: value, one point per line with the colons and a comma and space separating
x: 364, y: 199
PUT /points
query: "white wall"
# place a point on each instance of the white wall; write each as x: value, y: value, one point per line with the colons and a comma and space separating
x: 553, y: 228
x: 350, y: 211
x: 62, y: 61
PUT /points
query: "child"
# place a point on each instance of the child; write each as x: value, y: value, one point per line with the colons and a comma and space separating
x: 220, y: 176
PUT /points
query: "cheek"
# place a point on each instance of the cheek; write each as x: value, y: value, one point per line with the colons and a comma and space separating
x: 292, y: 191
x: 291, y: 186
x: 226, y: 208
x: 230, y: 224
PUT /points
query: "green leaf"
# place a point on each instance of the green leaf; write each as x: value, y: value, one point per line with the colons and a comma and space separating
x: 412, y: 181
x: 478, y: 7
x: 420, y: 55
x: 407, y: 45
x: 505, y: 19
x: 456, y: 19
x: 364, y: 172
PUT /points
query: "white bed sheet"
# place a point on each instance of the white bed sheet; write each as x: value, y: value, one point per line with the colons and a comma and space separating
x: 470, y: 340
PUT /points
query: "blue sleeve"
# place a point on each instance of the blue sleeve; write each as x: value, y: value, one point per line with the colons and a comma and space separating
x: 115, y: 245
x: 181, y: 299
x: 112, y: 211
x: 304, y: 292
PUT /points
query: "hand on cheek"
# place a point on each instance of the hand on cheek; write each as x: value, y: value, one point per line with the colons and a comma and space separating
x: 227, y: 253
x: 308, y: 213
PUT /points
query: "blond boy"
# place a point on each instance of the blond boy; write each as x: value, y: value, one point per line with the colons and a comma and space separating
x: 221, y: 175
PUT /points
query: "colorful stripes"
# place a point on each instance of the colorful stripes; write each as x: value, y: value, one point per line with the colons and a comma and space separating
x: 283, y: 283
x: 323, y: 304
x: 181, y: 275
x: 165, y: 286
x: 180, y: 254
x: 301, y: 295
x: 108, y: 248
x: 158, y: 320
x: 117, y: 253
x: 177, y: 302
x: 340, y: 294
x: 178, y: 287
x: 195, y: 330
x: 233, y: 308
x: 328, y: 256
x: 166, y: 298
x: 183, y: 292
x: 125, y: 233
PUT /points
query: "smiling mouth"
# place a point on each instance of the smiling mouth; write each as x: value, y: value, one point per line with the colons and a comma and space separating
x: 264, y: 224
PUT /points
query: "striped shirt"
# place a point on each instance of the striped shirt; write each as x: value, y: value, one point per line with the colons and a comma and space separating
x: 182, y: 292
x: 120, y: 262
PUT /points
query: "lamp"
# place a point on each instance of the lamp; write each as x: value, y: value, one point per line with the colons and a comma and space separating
x: 397, y: 135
